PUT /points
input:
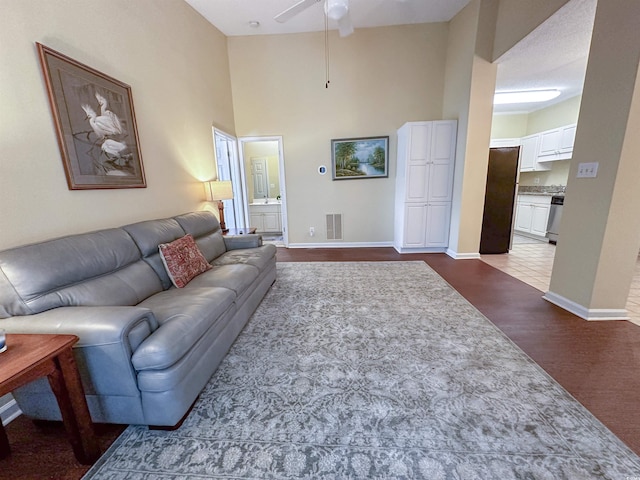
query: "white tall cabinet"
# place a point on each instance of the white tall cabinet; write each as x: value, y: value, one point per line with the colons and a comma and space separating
x: 424, y: 185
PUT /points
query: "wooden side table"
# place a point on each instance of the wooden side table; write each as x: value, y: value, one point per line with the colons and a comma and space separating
x: 240, y: 231
x: 31, y: 356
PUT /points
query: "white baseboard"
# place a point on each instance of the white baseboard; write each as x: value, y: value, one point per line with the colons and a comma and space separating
x: 341, y: 245
x: 419, y: 249
x: 462, y: 256
x: 9, y: 411
x: 586, y: 313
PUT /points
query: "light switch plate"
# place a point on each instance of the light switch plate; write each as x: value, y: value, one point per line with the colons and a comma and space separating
x: 587, y: 170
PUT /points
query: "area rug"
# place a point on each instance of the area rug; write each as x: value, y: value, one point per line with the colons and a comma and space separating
x: 374, y: 370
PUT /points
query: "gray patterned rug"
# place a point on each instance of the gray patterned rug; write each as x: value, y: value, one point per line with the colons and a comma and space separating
x: 374, y: 370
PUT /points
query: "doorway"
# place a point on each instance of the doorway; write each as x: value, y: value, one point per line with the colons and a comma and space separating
x: 228, y: 165
x: 262, y: 167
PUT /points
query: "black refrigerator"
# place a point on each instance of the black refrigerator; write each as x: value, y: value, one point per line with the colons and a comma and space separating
x: 499, y: 200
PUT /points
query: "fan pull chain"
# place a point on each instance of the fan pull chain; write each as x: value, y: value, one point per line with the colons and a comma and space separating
x: 326, y: 50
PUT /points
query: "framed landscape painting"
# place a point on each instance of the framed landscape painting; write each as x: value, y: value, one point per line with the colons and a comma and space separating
x: 353, y: 158
x: 95, y: 124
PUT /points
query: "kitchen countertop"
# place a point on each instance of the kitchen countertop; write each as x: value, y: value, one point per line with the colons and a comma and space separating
x: 545, y: 190
x: 262, y: 203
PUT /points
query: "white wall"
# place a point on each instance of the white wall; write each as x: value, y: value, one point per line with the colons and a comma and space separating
x: 177, y: 66
x: 380, y: 79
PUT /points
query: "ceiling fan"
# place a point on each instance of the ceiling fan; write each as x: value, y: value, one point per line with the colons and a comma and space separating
x: 337, y: 10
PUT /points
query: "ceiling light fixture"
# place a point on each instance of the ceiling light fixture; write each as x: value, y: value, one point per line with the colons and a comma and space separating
x: 254, y: 24
x: 528, y: 96
x: 336, y: 9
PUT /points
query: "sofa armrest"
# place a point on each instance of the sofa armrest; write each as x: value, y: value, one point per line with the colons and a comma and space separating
x: 93, y: 325
x: 236, y: 242
x: 108, y: 338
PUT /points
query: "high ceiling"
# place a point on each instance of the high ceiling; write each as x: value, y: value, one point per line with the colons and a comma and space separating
x: 553, y: 56
x: 232, y: 17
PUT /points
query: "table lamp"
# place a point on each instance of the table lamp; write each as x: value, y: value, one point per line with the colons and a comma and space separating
x: 218, y: 191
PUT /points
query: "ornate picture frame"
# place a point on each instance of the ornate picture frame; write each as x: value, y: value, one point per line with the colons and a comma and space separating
x: 95, y: 124
x: 353, y: 158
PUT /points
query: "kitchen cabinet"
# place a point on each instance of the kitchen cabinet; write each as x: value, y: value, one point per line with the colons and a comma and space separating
x: 537, y: 150
x: 266, y: 218
x: 424, y: 185
x: 529, y: 148
x: 532, y: 214
x: 557, y: 144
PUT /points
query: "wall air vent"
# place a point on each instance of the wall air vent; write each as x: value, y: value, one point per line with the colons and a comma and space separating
x: 334, y: 226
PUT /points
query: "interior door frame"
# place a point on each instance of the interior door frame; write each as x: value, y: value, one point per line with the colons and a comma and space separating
x: 281, y: 175
x: 239, y: 208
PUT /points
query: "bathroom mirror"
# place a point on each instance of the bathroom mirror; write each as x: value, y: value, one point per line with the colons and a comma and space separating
x: 262, y: 164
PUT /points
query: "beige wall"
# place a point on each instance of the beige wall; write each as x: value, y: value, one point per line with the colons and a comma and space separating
x: 558, y: 115
x: 509, y: 125
x: 470, y: 83
x: 380, y: 79
x: 177, y: 66
x: 595, y: 261
x: 556, y: 176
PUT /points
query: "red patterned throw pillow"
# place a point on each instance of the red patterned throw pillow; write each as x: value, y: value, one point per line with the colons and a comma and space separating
x: 183, y: 260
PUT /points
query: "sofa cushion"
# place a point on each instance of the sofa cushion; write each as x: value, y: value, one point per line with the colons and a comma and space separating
x: 97, y: 268
x: 260, y: 257
x: 205, y: 229
x: 184, y: 315
x: 234, y: 277
x: 198, y: 223
x: 148, y: 235
x: 183, y: 260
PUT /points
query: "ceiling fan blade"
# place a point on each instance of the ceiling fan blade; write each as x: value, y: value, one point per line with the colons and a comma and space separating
x: 294, y: 10
x: 345, y: 27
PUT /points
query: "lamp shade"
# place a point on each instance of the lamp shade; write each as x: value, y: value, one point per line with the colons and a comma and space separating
x: 218, y: 190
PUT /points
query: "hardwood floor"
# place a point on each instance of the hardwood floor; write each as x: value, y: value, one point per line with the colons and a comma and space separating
x: 597, y: 362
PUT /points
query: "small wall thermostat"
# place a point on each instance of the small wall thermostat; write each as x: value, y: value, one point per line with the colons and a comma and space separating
x: 322, y: 169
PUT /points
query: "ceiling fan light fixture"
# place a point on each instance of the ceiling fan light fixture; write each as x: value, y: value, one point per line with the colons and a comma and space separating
x: 337, y: 9
x: 527, y: 96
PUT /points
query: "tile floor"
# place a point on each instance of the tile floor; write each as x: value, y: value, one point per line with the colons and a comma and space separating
x: 531, y: 261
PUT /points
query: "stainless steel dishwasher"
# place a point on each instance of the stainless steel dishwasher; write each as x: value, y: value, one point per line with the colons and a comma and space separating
x: 555, y: 215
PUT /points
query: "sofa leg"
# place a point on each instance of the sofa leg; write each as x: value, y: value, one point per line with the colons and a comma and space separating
x: 171, y: 428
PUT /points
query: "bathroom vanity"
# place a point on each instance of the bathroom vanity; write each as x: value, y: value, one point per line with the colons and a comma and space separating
x: 266, y: 217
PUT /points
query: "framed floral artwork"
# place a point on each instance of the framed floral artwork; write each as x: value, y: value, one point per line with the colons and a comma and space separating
x: 95, y: 124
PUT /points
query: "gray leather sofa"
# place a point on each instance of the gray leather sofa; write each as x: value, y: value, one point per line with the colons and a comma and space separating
x: 146, y: 348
